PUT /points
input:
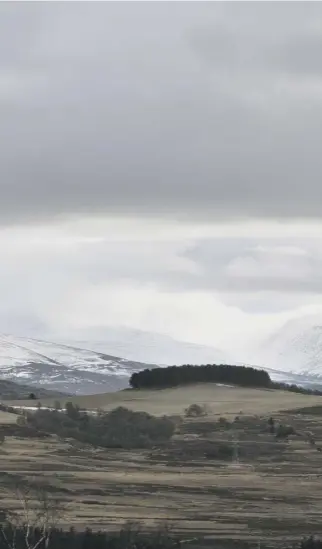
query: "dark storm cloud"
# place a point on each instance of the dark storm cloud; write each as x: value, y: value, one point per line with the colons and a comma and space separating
x: 197, y: 110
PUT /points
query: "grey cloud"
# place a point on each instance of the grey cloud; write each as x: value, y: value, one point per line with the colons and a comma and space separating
x: 251, y: 266
x: 160, y: 109
x: 238, y: 267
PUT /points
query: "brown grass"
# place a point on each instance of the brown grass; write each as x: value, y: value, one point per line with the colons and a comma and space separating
x: 274, y: 493
x: 7, y: 418
x: 220, y: 400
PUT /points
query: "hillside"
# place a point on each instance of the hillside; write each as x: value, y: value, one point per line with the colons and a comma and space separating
x: 296, y: 347
x: 10, y: 390
x: 80, y: 369
x: 223, y: 400
x: 142, y: 346
x: 65, y: 368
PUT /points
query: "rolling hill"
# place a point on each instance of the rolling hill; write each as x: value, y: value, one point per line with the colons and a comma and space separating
x: 221, y: 400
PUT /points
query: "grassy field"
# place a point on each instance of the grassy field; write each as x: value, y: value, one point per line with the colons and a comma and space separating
x: 221, y: 399
x: 269, y: 491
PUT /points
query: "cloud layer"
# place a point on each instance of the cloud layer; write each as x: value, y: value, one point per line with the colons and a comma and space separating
x: 228, y: 292
x: 196, y: 111
x: 160, y: 167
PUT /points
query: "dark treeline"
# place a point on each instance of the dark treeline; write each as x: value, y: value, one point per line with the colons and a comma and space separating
x: 125, y: 539
x: 295, y: 389
x: 61, y: 539
x: 244, y: 376
x: 173, y: 376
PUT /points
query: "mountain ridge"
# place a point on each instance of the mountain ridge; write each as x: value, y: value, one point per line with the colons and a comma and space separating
x: 296, y: 347
x: 71, y: 368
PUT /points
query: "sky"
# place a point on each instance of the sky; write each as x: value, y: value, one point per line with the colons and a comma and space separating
x: 160, y: 168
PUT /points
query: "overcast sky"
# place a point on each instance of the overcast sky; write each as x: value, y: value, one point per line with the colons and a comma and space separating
x: 160, y: 167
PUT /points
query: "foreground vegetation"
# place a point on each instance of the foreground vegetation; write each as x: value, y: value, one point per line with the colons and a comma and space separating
x: 129, y: 537
x: 36, y: 525
x: 120, y: 428
x: 229, y: 470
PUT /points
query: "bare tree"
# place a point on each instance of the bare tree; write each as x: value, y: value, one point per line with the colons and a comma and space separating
x: 39, y: 511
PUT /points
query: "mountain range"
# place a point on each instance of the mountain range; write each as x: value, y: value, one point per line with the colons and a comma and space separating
x: 103, y: 360
x: 67, y: 368
x: 142, y: 346
x: 88, y: 366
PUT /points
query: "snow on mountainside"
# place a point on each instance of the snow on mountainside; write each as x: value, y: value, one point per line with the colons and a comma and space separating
x: 88, y: 362
x: 93, y: 365
x: 143, y: 346
x: 296, y: 347
x: 64, y: 367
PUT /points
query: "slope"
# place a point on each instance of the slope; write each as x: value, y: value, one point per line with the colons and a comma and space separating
x: 142, y: 346
x: 221, y: 400
x: 64, y: 367
x: 296, y: 347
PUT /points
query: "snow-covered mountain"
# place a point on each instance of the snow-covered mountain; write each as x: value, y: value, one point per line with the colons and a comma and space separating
x: 94, y: 365
x: 63, y: 367
x: 142, y: 346
x: 296, y: 347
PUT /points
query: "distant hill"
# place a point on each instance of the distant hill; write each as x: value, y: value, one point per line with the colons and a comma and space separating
x: 88, y: 366
x: 143, y: 346
x: 296, y: 347
x: 63, y: 368
x: 16, y: 391
x: 75, y: 367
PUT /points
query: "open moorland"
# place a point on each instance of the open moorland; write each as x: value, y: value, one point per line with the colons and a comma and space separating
x: 222, y: 475
x: 223, y: 400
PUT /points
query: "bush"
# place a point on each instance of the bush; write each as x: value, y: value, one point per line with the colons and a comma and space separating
x: 195, y: 410
x: 224, y: 423
x: 222, y: 451
x: 120, y: 428
x: 271, y: 425
x: 311, y: 543
x: 284, y: 431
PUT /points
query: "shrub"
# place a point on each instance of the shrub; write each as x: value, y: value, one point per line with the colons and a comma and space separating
x: 120, y: 428
x: 284, y: 431
x: 271, y: 425
x: 224, y: 423
x: 222, y: 451
x: 195, y: 410
x: 311, y: 543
